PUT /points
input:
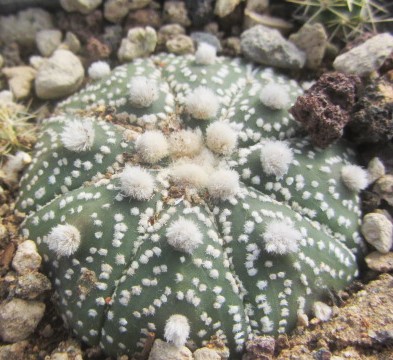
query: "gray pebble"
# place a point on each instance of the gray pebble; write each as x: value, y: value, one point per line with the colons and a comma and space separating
x: 162, y: 350
x: 268, y: 47
x: 367, y: 57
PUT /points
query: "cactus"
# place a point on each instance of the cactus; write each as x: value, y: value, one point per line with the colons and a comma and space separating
x: 344, y: 19
x: 177, y: 196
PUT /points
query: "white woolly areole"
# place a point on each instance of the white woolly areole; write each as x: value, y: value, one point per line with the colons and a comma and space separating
x: 276, y: 156
x: 206, y: 54
x: 184, y: 235
x: 185, y: 143
x: 64, y: 240
x: 223, y: 184
x: 281, y: 237
x: 98, y: 70
x: 202, y: 103
x: 78, y: 135
x: 136, y: 183
x: 177, y: 330
x: 152, y: 146
x: 354, y: 177
x: 143, y: 91
x: 221, y: 138
x: 188, y: 174
x: 275, y: 96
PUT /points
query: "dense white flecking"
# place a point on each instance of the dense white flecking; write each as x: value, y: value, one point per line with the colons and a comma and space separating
x: 202, y: 103
x: 184, y: 235
x: 276, y: 157
x: 275, y: 96
x: 205, y: 54
x: 99, y: 69
x: 152, y: 146
x: 354, y: 177
x: 177, y: 330
x: 281, y: 237
x: 221, y: 138
x: 143, y: 91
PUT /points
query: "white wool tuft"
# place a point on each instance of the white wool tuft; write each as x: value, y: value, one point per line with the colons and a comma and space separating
x: 136, y: 183
x: 152, y: 146
x: 221, y: 138
x: 189, y: 175
x: 354, y: 177
x: 143, y: 91
x: 185, y: 143
x: 206, y: 54
x: 275, y: 97
x: 281, y: 237
x: 223, y: 184
x: 202, y: 103
x: 276, y: 156
x: 64, y: 240
x: 177, y: 330
x: 99, y: 69
x: 184, y: 235
x: 78, y: 135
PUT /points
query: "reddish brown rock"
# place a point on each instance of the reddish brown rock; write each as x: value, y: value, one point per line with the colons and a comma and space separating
x: 143, y: 18
x: 96, y: 49
x: 325, y: 108
x: 260, y: 348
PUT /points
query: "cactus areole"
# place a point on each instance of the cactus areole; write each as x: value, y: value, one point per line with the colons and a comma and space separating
x: 168, y: 196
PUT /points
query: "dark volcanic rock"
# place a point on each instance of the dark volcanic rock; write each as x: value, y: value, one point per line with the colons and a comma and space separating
x: 325, y: 108
x: 200, y: 11
x: 372, y: 119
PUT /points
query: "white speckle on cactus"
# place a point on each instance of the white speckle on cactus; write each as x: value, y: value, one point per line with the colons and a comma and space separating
x: 99, y: 69
x: 322, y: 311
x: 276, y: 156
x: 202, y: 103
x: 221, y: 138
x: 205, y: 54
x: 354, y: 177
x: 152, y: 146
x: 136, y: 183
x: 223, y: 184
x: 177, y: 330
x: 188, y: 174
x: 143, y: 91
x: 274, y: 96
x: 184, y: 235
x: 64, y: 240
x: 78, y: 135
x: 280, y: 237
x: 185, y: 143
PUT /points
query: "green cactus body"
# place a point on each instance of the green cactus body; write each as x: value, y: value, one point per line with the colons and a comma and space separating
x: 237, y: 248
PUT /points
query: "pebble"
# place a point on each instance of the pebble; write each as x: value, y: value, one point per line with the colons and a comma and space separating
x: 180, y: 45
x: 20, y: 80
x: 377, y: 229
x: 312, y: 39
x: 384, y: 188
x: 168, y: 32
x: 231, y: 46
x: 36, y: 61
x: 225, y: 7
x: 200, y: 11
x: 252, y: 18
x: 380, y: 262
x: 162, y: 350
x: 26, y: 259
x: 261, y: 347
x: 13, y: 165
x: 259, y: 6
x: 67, y: 350
x: 367, y: 57
x: 138, y: 4
x: 322, y: 311
x: 1, y: 61
x: 71, y: 42
x: 32, y: 285
x: 48, y: 41
x: 139, y: 42
x: 82, y: 6
x: 23, y: 26
x: 142, y: 18
x: 14, y: 351
x: 268, y: 47
x: 116, y: 10
x: 19, y: 318
x: 375, y: 169
x: 175, y: 12
x: 96, y: 49
x: 206, y: 354
x: 61, y: 75
x: 205, y: 37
